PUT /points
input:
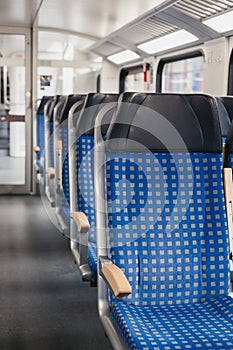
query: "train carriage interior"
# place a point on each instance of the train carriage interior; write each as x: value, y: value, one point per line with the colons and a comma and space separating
x: 116, y: 174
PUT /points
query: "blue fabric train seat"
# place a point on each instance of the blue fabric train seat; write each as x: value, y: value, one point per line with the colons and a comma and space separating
x: 50, y: 128
x: 225, y: 105
x: 166, y: 225
x: 40, y: 132
x: 228, y: 164
x: 85, y: 201
x: 62, y: 195
x: 56, y: 103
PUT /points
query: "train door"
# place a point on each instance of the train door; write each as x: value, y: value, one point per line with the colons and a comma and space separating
x: 15, y: 111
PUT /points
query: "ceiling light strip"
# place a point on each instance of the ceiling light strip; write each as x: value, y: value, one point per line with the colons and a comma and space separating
x: 169, y: 41
x: 221, y: 23
x: 123, y: 57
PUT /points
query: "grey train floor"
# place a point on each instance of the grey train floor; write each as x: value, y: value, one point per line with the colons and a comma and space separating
x: 43, y: 302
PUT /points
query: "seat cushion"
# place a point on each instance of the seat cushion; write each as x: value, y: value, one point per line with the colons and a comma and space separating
x: 207, y: 325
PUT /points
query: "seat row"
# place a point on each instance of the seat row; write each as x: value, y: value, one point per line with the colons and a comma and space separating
x: 137, y: 183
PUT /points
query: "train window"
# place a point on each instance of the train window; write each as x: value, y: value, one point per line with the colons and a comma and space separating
x: 230, y: 76
x: 131, y: 79
x: 181, y: 74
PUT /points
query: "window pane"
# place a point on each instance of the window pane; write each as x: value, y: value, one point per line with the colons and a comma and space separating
x: 183, y: 76
x: 134, y: 82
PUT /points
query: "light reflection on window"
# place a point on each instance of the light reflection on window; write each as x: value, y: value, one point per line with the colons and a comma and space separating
x: 183, y: 76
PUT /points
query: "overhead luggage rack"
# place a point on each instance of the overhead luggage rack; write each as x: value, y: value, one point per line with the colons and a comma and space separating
x: 170, y: 17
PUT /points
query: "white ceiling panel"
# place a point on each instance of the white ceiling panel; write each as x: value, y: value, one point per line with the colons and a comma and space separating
x: 91, y: 17
x: 50, y: 43
x: 18, y: 12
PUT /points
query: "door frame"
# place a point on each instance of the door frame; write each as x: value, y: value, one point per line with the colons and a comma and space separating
x: 26, y: 188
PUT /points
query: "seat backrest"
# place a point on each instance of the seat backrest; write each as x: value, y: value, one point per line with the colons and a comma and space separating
x: 225, y: 106
x: 165, y: 205
x: 58, y: 104
x: 85, y: 152
x: 43, y: 101
x: 63, y: 136
x: 40, y: 125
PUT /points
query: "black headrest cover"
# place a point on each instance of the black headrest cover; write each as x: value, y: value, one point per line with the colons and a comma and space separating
x: 43, y: 102
x: 51, y: 106
x: 228, y: 148
x: 91, y: 107
x: 166, y: 122
x: 70, y: 100
x: 59, y: 106
x: 225, y: 106
x: 228, y: 104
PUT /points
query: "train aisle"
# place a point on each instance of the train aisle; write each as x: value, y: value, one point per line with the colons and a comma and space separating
x: 43, y: 302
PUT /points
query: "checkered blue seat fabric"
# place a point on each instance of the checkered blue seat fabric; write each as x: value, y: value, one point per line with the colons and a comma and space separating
x: 51, y: 147
x: 166, y: 217
x: 40, y: 139
x: 63, y: 135
x: 65, y: 208
x: 205, y: 325
x: 85, y: 191
x: 230, y: 160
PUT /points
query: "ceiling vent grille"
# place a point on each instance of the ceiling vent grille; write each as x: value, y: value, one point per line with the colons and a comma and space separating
x: 106, y: 49
x: 203, y: 9
x: 148, y: 29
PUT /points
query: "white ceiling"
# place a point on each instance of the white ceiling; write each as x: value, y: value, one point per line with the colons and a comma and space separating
x: 75, y: 25
x: 18, y: 12
x: 88, y: 17
x: 77, y: 22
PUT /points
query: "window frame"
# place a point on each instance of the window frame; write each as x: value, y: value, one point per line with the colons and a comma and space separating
x: 230, y: 75
x: 98, y: 87
x: 176, y: 58
x: 125, y: 72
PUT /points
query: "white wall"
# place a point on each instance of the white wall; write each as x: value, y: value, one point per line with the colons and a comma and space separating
x: 216, y: 66
x: 85, y: 83
x: 109, y: 79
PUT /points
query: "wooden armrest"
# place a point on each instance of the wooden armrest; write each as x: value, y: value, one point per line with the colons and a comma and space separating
x: 81, y: 221
x: 116, y: 280
x: 42, y: 160
x: 228, y: 184
x: 58, y: 145
x: 37, y: 149
x: 51, y: 172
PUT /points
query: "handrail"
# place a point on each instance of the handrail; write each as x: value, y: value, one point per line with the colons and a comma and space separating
x: 12, y: 118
